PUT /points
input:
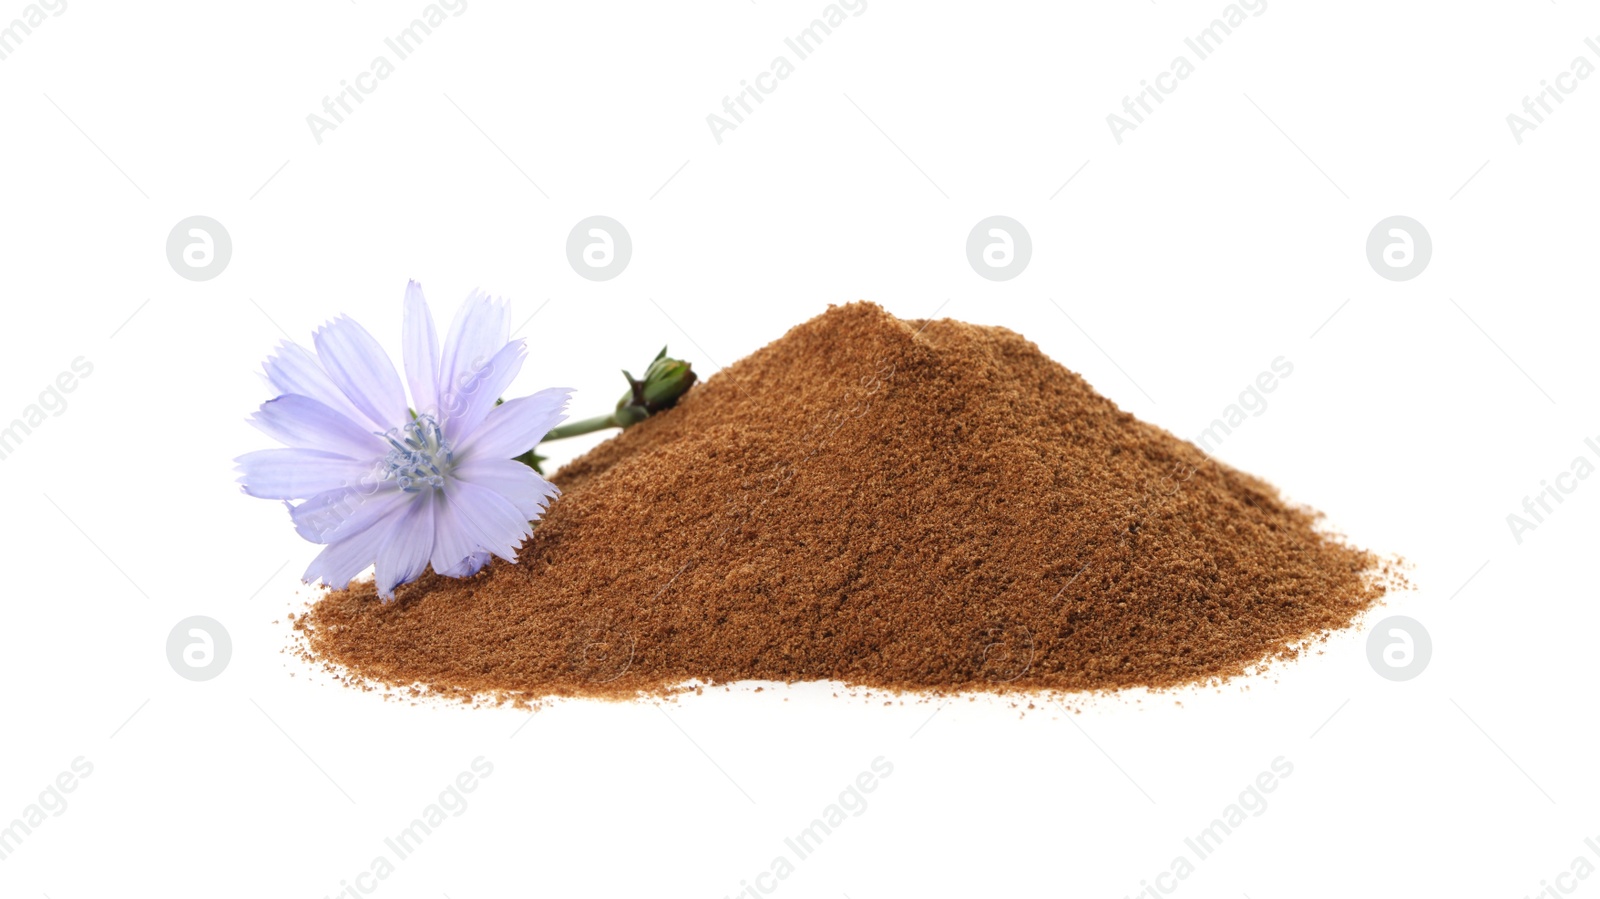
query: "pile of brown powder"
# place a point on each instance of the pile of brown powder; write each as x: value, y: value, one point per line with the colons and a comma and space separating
x: 898, y: 504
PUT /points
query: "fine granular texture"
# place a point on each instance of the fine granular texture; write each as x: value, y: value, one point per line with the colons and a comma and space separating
x: 910, y: 505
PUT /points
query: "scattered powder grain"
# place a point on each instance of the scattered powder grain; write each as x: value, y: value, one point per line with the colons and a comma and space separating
x: 909, y: 505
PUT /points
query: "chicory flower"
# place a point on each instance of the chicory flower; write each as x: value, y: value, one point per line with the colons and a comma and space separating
x: 397, y: 487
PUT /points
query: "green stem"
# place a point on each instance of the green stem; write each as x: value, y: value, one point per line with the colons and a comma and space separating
x: 584, y: 426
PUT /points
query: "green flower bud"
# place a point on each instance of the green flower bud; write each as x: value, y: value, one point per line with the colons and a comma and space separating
x: 663, y: 383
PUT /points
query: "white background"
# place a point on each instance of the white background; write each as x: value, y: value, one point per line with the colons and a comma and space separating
x: 1220, y: 234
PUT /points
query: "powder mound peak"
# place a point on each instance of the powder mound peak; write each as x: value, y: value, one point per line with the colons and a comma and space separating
x: 903, y: 504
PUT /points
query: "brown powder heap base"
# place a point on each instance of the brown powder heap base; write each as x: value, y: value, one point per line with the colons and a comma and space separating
x: 925, y: 506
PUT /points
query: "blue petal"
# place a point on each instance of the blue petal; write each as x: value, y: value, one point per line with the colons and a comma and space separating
x: 472, y: 401
x: 520, y: 485
x: 404, y: 554
x: 516, y: 426
x: 301, y: 421
x: 489, y: 520
x: 297, y: 473
x: 482, y: 327
x: 467, y: 567
x: 419, y: 348
x: 294, y: 369
x: 453, y: 547
x: 358, y: 365
x: 338, y: 514
x: 339, y: 563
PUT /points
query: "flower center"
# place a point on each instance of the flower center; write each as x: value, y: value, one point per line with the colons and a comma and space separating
x: 419, y: 457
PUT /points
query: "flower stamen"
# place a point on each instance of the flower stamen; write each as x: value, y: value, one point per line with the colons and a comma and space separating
x: 420, y: 457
